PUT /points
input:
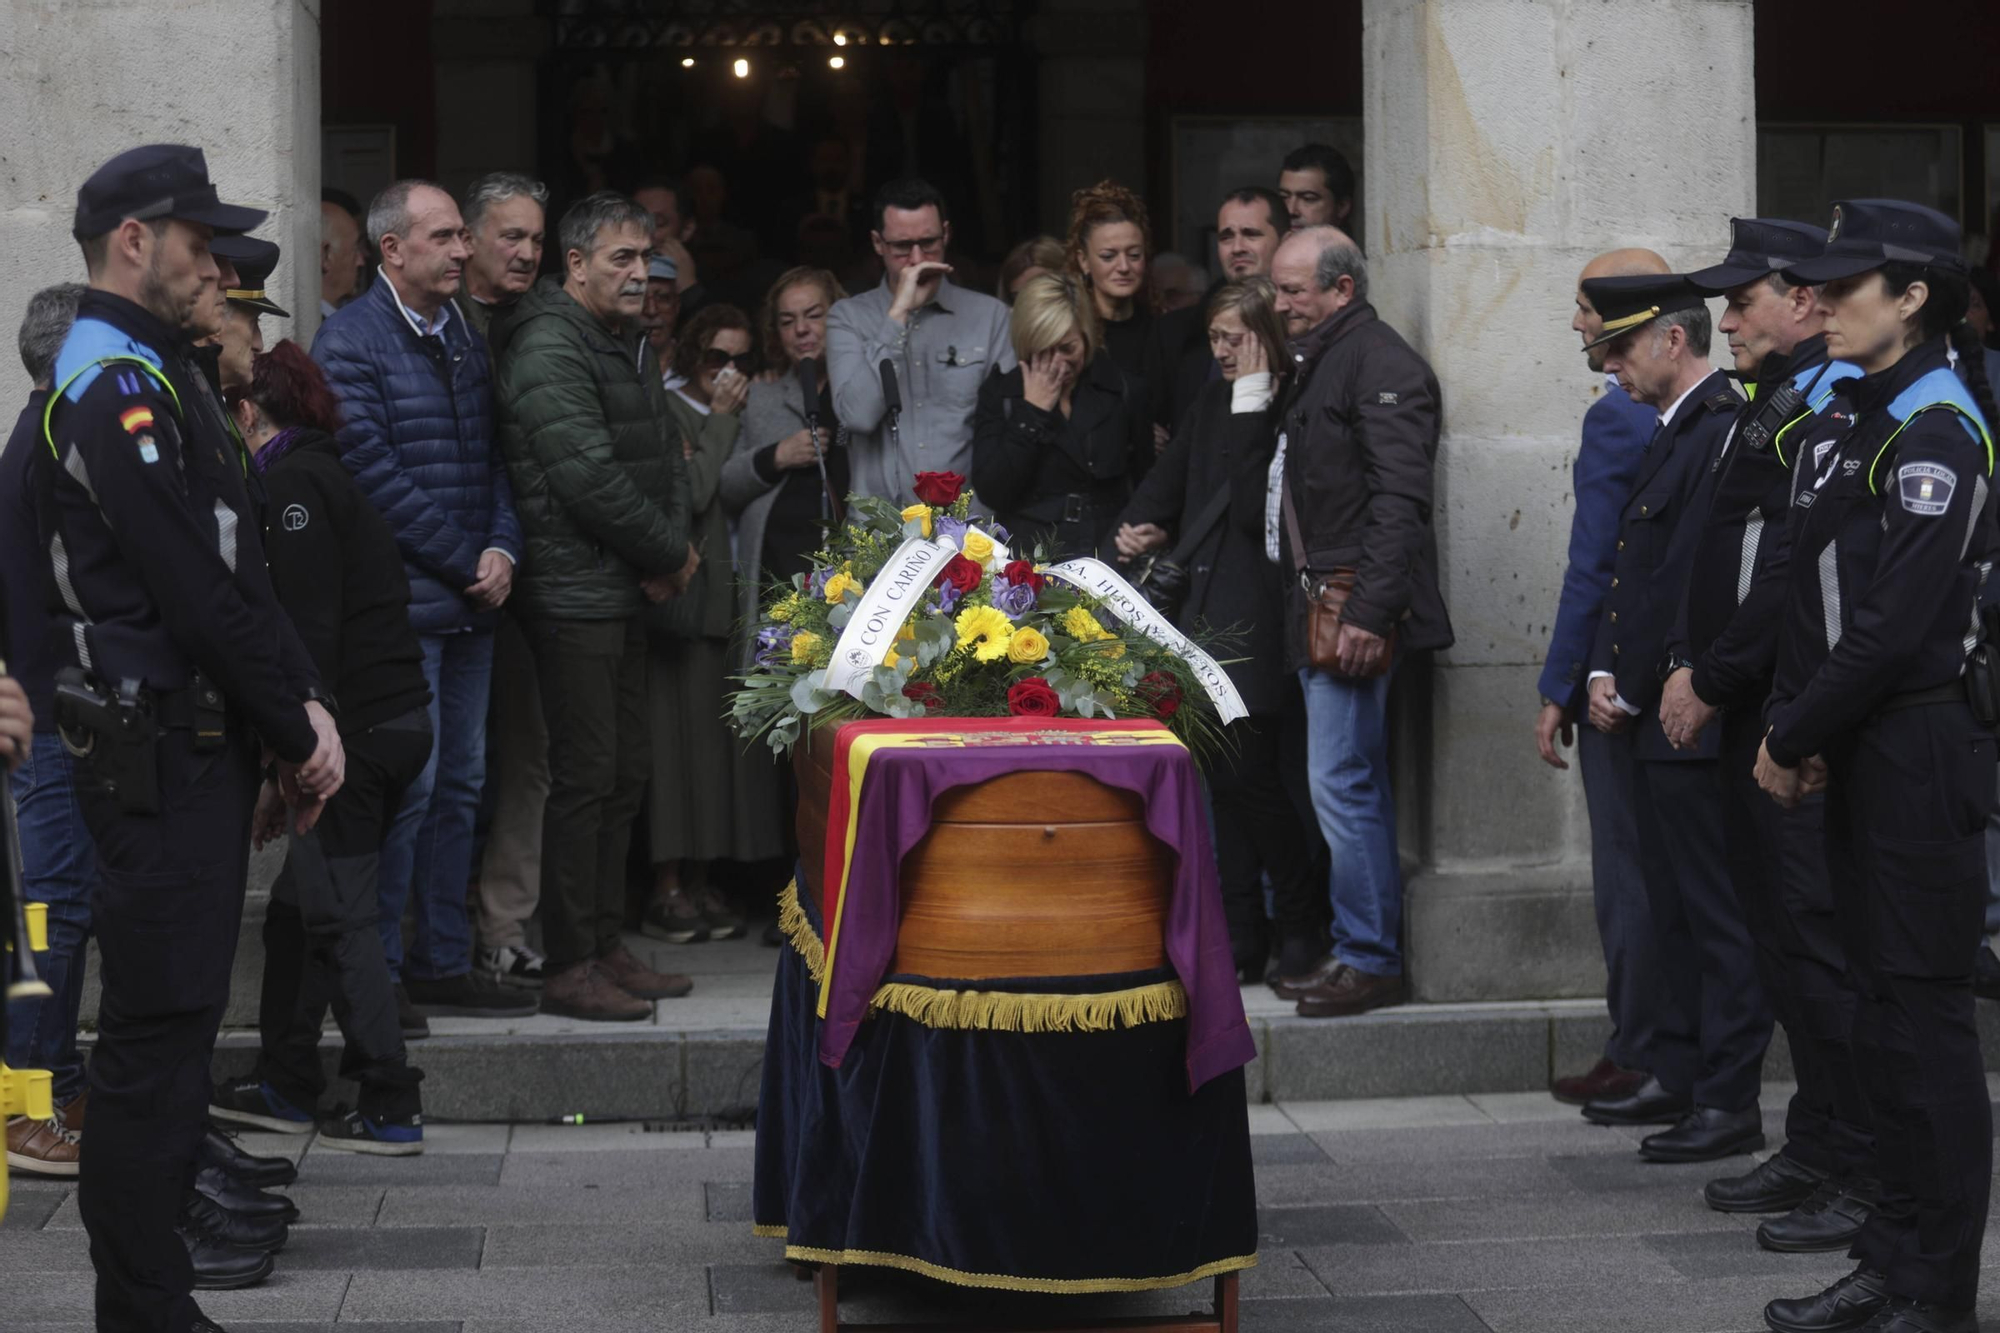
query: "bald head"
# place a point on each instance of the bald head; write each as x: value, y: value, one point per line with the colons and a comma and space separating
x: 1611, y: 264
x: 1318, y: 270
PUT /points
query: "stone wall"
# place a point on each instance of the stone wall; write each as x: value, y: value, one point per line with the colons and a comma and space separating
x: 1508, y: 141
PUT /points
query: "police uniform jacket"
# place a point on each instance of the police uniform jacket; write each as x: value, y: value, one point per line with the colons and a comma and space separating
x: 1895, y: 534
x: 155, y: 528
x: 1361, y: 415
x: 1615, y: 431
x: 1657, y: 533
x: 1730, y: 618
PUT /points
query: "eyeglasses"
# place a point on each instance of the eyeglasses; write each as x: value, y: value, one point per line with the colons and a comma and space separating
x: 929, y: 245
x: 715, y: 359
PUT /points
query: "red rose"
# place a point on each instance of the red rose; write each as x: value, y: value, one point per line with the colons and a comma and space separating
x: 938, y: 488
x: 924, y: 693
x: 1162, y: 691
x: 961, y: 574
x: 1032, y: 698
x: 1023, y: 571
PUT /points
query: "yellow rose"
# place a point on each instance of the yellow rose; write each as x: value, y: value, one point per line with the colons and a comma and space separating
x: 986, y: 630
x: 804, y: 644
x: 978, y: 547
x: 905, y: 635
x: 838, y: 585
x: 1027, y: 645
x: 919, y: 511
x: 1083, y: 626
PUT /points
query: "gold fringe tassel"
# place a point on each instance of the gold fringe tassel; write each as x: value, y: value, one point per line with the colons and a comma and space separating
x: 1002, y: 1282
x: 993, y: 1011
x: 776, y: 1232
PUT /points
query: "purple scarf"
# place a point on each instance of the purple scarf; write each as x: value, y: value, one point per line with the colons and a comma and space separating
x: 275, y: 448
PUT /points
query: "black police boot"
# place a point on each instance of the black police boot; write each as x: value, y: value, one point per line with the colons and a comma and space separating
x: 1910, y: 1317
x: 219, y: 1149
x: 1829, y: 1220
x: 1986, y: 974
x: 1650, y: 1105
x: 199, y: 1213
x: 1775, y: 1185
x: 203, y: 1324
x: 223, y: 1267
x: 1848, y: 1304
x: 1705, y: 1134
x: 219, y: 1187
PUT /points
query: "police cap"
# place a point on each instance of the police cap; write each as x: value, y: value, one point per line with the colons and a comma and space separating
x: 1627, y: 302
x: 254, y: 259
x: 662, y: 268
x: 161, y: 180
x: 1868, y: 233
x: 1759, y: 247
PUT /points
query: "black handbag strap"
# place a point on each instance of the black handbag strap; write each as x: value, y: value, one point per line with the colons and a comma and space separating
x: 1292, y: 528
x: 1204, y: 523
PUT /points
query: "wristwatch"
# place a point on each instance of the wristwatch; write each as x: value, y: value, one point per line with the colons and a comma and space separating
x: 1673, y: 662
x: 316, y: 695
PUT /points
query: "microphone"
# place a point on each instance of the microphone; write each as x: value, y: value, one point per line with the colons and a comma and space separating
x: 808, y: 372
x: 892, y: 397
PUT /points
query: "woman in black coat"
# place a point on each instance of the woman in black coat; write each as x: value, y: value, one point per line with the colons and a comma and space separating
x: 1203, y: 502
x: 1057, y: 440
x: 340, y: 578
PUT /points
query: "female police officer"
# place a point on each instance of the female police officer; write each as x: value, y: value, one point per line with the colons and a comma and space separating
x: 1893, y: 533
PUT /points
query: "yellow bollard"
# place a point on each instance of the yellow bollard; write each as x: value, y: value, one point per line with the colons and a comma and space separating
x: 38, y: 926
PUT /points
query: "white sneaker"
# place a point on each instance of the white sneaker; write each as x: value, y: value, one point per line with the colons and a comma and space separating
x: 515, y: 964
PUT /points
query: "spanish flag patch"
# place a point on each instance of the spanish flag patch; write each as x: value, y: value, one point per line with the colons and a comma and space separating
x: 135, y: 419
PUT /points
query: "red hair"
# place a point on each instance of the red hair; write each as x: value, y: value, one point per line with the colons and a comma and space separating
x: 289, y: 389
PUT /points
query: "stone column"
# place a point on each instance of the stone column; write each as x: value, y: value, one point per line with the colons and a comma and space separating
x: 1508, y: 141
x: 87, y: 81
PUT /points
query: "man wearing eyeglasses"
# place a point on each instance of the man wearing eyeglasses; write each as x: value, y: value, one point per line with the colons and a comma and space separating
x: 941, y: 340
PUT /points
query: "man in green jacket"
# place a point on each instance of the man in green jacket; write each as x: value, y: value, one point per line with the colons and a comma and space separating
x: 603, y: 498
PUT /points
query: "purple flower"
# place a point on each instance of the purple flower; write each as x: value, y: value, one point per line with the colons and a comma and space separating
x: 774, y: 645
x: 954, y: 528
x: 999, y: 533
x: 948, y: 597
x: 816, y: 583
x: 1016, y: 599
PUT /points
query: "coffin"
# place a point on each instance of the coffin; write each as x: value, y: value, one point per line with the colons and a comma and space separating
x: 1028, y: 875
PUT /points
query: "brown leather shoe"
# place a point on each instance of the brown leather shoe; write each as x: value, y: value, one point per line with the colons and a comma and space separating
x: 1352, y: 992
x: 583, y: 990
x: 72, y: 1115
x: 1604, y: 1080
x: 1324, y: 973
x: 635, y: 978
x: 42, y: 1147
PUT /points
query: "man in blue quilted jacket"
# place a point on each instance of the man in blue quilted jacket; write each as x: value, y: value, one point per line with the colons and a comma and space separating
x: 416, y: 398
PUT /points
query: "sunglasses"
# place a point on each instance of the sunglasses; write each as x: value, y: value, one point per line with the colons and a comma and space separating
x: 715, y: 359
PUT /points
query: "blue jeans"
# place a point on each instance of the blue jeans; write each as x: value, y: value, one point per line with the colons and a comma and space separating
x: 428, y: 855
x: 61, y: 872
x: 1347, y: 764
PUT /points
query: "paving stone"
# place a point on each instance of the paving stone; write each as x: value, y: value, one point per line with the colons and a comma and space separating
x: 1532, y: 1217
x: 345, y: 1327
x: 648, y: 1136
x: 332, y: 1167
x: 636, y: 1243
x: 1362, y: 1314
x: 1474, y: 1141
x: 471, y: 1205
x: 728, y: 1201
x: 1279, y: 1277
x: 44, y: 1252
x: 1720, y: 1254
x: 1619, y: 1171
x: 349, y: 1249
x: 1365, y: 1270
x: 1511, y: 1108
x: 1720, y: 1305
x: 657, y: 1297
x: 1325, y: 1224
x: 554, y: 1170
x: 1408, y: 1052
x: 455, y: 1138
x: 287, y: 1295
x: 1284, y: 1150
x: 1371, y: 1182
x: 1268, y: 1119
x: 1384, y: 1113
x: 759, y: 1289
x: 30, y: 1204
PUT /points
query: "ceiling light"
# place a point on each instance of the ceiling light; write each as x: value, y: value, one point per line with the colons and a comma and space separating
x: 742, y: 68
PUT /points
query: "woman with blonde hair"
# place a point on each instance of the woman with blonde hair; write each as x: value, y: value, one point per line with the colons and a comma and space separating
x: 1109, y: 244
x: 1057, y: 440
x: 1202, y: 506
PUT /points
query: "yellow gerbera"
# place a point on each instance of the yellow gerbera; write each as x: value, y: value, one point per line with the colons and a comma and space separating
x: 919, y: 511
x: 838, y: 585
x: 986, y: 630
x: 906, y: 635
x: 1083, y: 626
x: 977, y: 547
x: 1027, y: 645
x: 804, y: 644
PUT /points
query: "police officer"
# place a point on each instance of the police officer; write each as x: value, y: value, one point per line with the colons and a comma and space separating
x: 242, y: 335
x: 181, y: 668
x: 1873, y: 701
x: 1721, y: 659
x: 1713, y: 1027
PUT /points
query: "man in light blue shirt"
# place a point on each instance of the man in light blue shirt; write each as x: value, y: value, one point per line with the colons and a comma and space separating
x: 942, y: 340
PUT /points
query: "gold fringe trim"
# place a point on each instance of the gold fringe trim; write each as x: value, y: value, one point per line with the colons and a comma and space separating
x: 759, y: 1229
x: 1002, y: 1282
x: 993, y: 1011
x: 1008, y: 1011
x: 792, y: 921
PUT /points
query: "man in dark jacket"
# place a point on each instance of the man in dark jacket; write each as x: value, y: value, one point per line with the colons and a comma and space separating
x: 606, y: 508
x: 1358, y: 439
x: 415, y: 390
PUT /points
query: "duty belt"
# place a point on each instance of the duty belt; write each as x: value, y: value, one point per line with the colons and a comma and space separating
x: 1951, y: 692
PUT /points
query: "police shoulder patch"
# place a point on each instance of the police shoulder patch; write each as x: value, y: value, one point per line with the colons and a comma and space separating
x: 1925, y: 488
x: 1723, y: 401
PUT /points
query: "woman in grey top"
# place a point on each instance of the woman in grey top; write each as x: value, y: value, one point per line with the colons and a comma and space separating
x: 771, y: 486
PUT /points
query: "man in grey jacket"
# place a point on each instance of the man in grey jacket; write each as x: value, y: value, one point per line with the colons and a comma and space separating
x: 942, y: 340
